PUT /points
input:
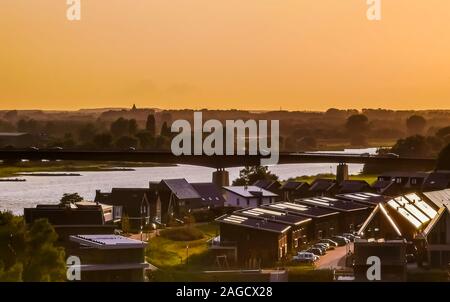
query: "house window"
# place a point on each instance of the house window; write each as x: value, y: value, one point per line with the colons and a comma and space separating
x: 414, y: 181
x: 248, y: 202
x: 117, y: 212
x: 237, y: 201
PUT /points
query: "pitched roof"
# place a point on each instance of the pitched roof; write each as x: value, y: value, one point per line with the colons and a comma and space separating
x: 181, y: 188
x: 405, y: 174
x: 293, y: 185
x: 62, y: 215
x: 332, y: 203
x: 300, y: 209
x: 209, y: 193
x: 253, y: 223
x: 273, y: 215
x: 250, y: 191
x: 107, y: 241
x: 437, y: 180
x: 440, y: 198
x: 267, y: 184
x: 322, y: 184
x: 363, y: 197
x: 350, y: 186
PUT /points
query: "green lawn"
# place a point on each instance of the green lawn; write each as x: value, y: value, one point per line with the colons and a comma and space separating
x: 169, y: 254
x: 309, y: 179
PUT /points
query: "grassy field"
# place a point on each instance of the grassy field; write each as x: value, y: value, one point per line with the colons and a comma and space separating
x: 169, y: 254
x: 14, y: 170
x: 309, y: 179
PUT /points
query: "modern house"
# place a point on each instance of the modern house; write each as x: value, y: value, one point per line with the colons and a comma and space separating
x: 297, y: 235
x: 323, y: 187
x: 292, y: 190
x: 352, y: 214
x: 392, y: 256
x: 421, y: 220
x: 134, y: 203
x: 397, y: 183
x: 273, y: 186
x: 68, y: 220
x: 437, y: 233
x: 354, y: 186
x: 366, y: 198
x: 437, y: 180
x: 324, y: 223
x: 247, y: 196
x: 109, y: 258
x: 258, y: 242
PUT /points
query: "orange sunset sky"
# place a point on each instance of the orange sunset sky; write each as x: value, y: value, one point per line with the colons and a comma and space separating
x: 244, y: 54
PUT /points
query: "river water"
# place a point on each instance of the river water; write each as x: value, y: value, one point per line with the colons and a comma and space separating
x: 14, y: 196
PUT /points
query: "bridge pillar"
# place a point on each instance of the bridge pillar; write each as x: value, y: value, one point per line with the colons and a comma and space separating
x: 221, y: 178
x: 341, y: 173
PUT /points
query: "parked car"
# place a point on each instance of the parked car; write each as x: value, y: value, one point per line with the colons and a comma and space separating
x: 350, y: 236
x: 316, y: 251
x: 322, y: 246
x: 305, y: 257
x: 392, y: 155
x: 329, y: 241
x: 341, y: 241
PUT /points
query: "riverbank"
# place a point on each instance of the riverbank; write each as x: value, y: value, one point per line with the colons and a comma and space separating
x: 369, y: 178
x: 7, y: 170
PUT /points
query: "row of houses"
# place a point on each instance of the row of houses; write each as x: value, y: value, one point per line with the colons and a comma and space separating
x: 415, y: 226
x: 389, y: 184
x: 267, y: 233
x: 421, y: 220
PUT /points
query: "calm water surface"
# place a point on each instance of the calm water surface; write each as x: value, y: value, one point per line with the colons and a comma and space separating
x: 14, y: 196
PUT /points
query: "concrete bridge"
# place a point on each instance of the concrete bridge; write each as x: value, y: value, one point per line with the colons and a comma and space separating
x: 219, y: 162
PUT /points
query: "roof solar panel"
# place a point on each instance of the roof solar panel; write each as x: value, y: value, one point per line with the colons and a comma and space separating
x: 422, y: 205
x: 355, y: 197
x: 317, y: 201
x: 417, y: 213
x: 265, y: 211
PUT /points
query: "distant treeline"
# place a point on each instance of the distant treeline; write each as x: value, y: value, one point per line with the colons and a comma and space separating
x: 299, y: 130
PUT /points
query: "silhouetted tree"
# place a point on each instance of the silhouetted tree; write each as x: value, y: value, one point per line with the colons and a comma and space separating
x: 126, y: 142
x: 146, y: 139
x: 87, y: 133
x: 165, y: 130
x: 251, y: 174
x: 357, y: 124
x: 416, y: 124
x: 132, y: 127
x: 29, y: 252
x: 70, y: 198
x: 120, y: 127
x: 151, y: 124
x: 443, y: 162
x: 102, y: 141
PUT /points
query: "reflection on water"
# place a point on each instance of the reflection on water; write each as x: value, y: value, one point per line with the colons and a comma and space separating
x: 14, y: 196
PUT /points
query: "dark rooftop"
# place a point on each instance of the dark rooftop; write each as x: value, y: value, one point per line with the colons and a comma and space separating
x: 181, y: 188
x: 209, y: 193
x: 253, y: 223
x: 293, y: 185
x: 366, y: 198
x: 322, y: 184
x: 274, y: 215
x: 62, y: 215
x: 300, y: 209
x: 332, y: 203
